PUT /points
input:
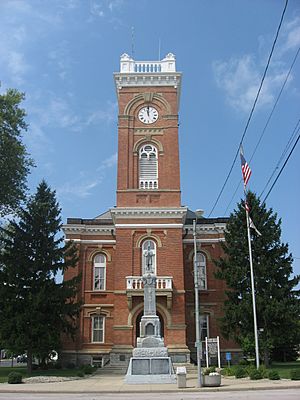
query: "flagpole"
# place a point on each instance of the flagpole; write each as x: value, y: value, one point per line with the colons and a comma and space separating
x: 197, y: 309
x: 252, y: 284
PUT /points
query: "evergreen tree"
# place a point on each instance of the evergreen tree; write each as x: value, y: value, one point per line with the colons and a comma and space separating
x: 15, y: 163
x: 277, y: 301
x: 34, y: 309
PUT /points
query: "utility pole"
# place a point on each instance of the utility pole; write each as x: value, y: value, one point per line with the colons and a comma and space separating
x: 198, y: 343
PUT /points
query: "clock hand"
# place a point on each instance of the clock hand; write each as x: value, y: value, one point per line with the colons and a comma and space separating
x: 148, y: 111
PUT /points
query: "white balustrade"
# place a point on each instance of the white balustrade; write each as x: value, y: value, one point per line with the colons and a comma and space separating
x: 129, y: 65
x: 148, y: 184
x: 136, y: 282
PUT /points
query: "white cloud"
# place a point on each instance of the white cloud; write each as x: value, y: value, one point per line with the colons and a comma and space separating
x: 291, y: 35
x: 80, y: 189
x: 107, y: 114
x: 96, y: 9
x: 240, y: 77
x: 109, y: 162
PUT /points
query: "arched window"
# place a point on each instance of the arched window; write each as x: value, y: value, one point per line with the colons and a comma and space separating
x: 148, y: 256
x: 201, y: 268
x: 98, y: 328
x: 99, y: 267
x: 148, y: 167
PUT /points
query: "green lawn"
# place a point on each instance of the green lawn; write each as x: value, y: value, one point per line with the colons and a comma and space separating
x: 284, y: 368
x: 4, y: 371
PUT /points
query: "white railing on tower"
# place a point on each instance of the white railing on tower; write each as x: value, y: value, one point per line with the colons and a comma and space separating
x: 136, y: 282
x: 129, y: 65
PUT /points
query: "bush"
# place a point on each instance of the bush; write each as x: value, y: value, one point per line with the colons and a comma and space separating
x: 255, y: 374
x: 207, y: 371
x: 80, y: 374
x: 14, y: 377
x: 264, y: 371
x: 243, y: 362
x: 88, y: 369
x: 240, y: 372
x: 295, y: 374
x: 57, y: 365
x: 228, y: 371
x: 70, y: 365
x: 273, y: 375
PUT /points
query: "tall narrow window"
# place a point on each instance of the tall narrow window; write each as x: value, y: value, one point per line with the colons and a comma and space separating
x: 201, y: 268
x: 99, y: 272
x: 98, y: 329
x: 148, y: 256
x: 204, y: 331
x: 148, y: 171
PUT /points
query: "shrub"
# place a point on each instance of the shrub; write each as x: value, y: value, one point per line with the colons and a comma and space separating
x: 240, y: 372
x: 80, y: 374
x: 57, y: 365
x: 295, y: 374
x: 207, y: 371
x: 228, y: 371
x: 243, y: 362
x: 255, y: 374
x: 88, y: 369
x: 264, y: 371
x: 273, y: 375
x: 14, y: 377
x: 70, y: 365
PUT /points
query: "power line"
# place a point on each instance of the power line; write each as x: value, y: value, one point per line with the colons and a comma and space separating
x: 282, y: 168
x: 267, y: 123
x: 287, y: 146
x: 253, y: 107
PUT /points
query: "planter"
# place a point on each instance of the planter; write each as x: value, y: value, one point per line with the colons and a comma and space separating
x: 211, y: 380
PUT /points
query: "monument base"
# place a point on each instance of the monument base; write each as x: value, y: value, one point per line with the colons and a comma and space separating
x: 150, y: 370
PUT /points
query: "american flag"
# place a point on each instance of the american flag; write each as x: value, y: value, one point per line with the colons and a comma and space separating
x: 247, y: 206
x: 246, y: 171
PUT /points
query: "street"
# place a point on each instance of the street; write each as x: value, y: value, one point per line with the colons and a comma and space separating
x: 284, y: 394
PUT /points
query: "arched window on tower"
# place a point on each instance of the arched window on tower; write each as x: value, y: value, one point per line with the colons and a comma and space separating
x: 201, y: 268
x: 148, y: 167
x: 148, y: 246
x: 99, y: 272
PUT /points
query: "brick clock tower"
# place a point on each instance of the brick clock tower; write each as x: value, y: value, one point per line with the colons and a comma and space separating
x: 148, y: 213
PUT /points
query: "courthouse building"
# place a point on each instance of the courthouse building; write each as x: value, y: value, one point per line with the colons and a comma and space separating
x: 148, y: 213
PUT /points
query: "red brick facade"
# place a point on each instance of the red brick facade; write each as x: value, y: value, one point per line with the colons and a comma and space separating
x: 119, y: 234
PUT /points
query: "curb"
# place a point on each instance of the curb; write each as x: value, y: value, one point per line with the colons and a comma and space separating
x: 189, y: 390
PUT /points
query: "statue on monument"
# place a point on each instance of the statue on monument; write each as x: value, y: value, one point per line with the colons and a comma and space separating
x: 149, y: 260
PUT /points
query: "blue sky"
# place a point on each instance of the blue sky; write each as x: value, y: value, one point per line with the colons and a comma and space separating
x: 62, y: 54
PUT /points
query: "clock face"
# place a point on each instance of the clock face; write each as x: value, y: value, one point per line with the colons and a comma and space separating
x: 148, y: 115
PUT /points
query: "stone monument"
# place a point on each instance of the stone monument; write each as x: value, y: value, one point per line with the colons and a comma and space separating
x: 150, y: 362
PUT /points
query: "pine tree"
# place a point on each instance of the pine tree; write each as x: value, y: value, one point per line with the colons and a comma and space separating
x: 34, y: 309
x: 277, y: 301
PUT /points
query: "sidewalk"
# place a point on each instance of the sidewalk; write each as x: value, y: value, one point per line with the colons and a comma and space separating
x: 115, y: 384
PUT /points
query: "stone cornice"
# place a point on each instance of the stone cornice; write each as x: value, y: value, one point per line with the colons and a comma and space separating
x: 148, y: 213
x: 217, y: 228
x: 69, y: 229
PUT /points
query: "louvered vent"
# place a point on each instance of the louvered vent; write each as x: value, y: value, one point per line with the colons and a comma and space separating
x: 148, y: 167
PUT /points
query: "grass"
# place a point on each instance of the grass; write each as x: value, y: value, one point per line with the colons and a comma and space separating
x: 284, y: 369
x: 4, y: 371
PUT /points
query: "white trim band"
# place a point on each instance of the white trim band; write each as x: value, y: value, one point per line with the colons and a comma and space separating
x: 149, y: 226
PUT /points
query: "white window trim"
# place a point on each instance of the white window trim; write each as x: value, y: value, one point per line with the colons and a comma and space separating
x: 94, y: 275
x: 206, y: 316
x: 148, y: 182
x: 103, y: 329
x: 201, y: 264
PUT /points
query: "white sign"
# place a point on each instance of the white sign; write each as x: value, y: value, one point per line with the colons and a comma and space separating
x: 212, y: 349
